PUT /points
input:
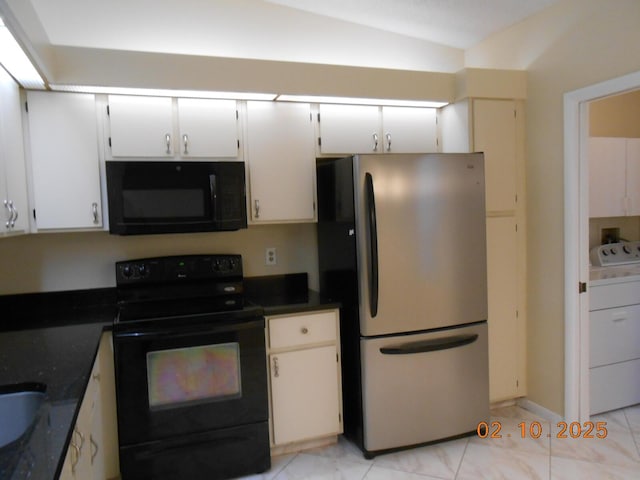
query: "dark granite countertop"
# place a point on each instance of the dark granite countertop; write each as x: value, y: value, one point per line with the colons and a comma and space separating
x: 52, y: 339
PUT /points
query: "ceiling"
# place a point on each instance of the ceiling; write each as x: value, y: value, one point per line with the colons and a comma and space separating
x: 73, y: 41
x: 455, y: 23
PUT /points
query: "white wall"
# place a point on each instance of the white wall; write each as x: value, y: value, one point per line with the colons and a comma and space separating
x: 574, y: 44
x: 69, y: 261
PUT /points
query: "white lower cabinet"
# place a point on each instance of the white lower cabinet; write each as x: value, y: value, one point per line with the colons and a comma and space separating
x: 93, y: 451
x: 614, y: 353
x: 305, y: 379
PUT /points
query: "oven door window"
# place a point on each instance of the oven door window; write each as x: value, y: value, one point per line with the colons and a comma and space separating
x: 183, y: 376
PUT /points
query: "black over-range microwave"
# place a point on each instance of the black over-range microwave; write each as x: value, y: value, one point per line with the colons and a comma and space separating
x: 148, y: 197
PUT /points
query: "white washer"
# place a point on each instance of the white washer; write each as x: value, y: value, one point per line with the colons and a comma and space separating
x: 614, y: 322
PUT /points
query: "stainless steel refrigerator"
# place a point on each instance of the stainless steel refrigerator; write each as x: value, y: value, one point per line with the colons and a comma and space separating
x: 402, y: 246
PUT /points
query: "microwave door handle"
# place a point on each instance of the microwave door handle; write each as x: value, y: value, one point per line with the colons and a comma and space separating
x: 213, y: 190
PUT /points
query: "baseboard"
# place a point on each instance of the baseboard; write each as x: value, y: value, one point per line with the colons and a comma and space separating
x: 538, y: 410
x: 304, y: 445
x: 504, y: 403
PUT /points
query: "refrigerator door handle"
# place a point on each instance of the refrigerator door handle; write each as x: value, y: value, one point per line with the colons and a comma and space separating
x: 372, y: 231
x: 430, y: 345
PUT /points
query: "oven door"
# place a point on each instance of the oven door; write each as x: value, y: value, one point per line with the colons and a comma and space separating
x: 189, y: 378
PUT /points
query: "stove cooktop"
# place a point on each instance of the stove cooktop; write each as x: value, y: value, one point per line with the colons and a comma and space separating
x: 179, y: 286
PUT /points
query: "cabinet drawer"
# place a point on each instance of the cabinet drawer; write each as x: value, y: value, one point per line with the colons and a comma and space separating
x: 614, y: 386
x: 614, y: 335
x: 300, y: 330
x: 614, y: 295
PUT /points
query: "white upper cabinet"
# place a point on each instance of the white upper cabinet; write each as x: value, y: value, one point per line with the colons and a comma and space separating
x: 147, y: 127
x: 607, y: 176
x: 13, y: 184
x: 64, y: 160
x: 347, y: 129
x: 350, y: 129
x: 208, y: 128
x: 141, y: 126
x: 281, y: 159
x: 409, y: 130
x: 614, y: 176
x: 633, y: 176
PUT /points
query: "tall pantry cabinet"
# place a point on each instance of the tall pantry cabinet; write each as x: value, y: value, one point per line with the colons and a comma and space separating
x: 496, y: 127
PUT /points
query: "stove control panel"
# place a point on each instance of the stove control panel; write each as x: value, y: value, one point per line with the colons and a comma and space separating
x: 178, y: 268
x: 612, y: 254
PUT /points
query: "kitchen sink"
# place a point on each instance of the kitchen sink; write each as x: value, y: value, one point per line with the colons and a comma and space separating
x: 19, y: 406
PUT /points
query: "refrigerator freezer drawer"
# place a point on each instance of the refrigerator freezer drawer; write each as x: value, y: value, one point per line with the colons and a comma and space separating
x: 424, y: 387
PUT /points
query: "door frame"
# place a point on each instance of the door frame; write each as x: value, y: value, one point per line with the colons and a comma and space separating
x: 576, y: 228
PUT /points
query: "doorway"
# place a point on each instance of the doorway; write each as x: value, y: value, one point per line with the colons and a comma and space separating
x: 576, y: 227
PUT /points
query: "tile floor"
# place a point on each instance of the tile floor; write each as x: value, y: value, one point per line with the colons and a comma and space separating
x: 615, y: 457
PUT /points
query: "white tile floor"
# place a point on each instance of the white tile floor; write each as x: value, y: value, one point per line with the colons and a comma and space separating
x: 511, y: 457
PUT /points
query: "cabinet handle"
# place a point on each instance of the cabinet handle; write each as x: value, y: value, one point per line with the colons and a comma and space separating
x: 14, y: 214
x: 8, y: 222
x: 256, y: 204
x: 276, y: 367
x: 94, y: 211
x: 185, y: 142
x: 95, y: 445
x: 81, y: 439
x: 96, y: 377
x: 388, y: 136
x: 304, y: 330
x: 375, y: 142
x: 74, y: 461
x: 167, y: 139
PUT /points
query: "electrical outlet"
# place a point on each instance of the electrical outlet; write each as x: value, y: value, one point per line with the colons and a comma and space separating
x: 270, y: 257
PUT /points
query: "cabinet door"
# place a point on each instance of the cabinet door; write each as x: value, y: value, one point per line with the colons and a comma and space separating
x: 409, y: 130
x: 141, y: 126
x: 208, y: 128
x: 348, y: 129
x: 304, y: 391
x: 64, y: 160
x: 607, y: 176
x: 504, y: 336
x: 494, y: 133
x: 633, y: 176
x: 281, y: 160
x: 13, y: 183
x: 105, y: 412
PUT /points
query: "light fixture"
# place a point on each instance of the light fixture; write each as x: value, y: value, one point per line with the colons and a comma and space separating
x: 361, y: 101
x: 14, y: 61
x: 154, y: 92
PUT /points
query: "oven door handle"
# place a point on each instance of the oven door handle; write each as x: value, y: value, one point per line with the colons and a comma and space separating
x: 151, y: 332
